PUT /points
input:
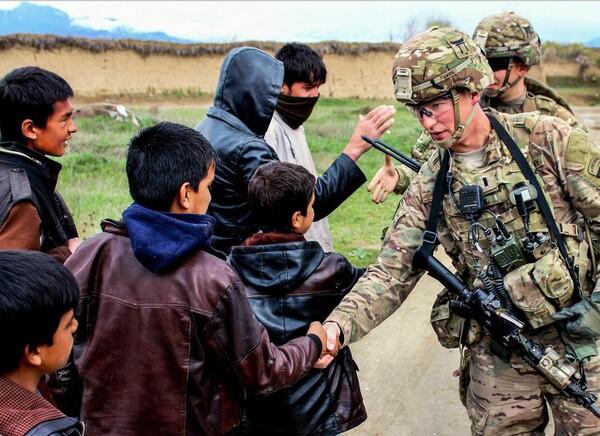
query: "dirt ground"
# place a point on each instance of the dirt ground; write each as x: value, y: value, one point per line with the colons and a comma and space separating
x: 405, y: 374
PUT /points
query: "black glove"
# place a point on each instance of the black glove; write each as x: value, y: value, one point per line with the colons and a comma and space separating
x: 583, y: 318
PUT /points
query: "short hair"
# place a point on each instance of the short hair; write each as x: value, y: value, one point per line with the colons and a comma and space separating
x: 276, y: 191
x: 163, y: 157
x: 29, y: 93
x: 36, y: 290
x: 301, y: 64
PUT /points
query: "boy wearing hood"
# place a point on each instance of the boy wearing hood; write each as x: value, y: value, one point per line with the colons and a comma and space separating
x: 289, y: 282
x: 245, y: 99
x: 167, y: 342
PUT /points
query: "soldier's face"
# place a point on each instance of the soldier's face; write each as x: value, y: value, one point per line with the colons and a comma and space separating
x: 442, y: 126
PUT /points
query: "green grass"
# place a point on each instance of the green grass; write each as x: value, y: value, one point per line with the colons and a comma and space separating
x: 94, y: 184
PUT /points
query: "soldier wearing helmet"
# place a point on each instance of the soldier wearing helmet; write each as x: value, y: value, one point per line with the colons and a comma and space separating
x: 440, y: 76
x: 511, y: 47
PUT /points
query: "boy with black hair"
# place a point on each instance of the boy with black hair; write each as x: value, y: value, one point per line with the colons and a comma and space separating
x: 304, y: 73
x: 168, y: 343
x: 35, y: 122
x: 36, y: 331
x: 291, y: 281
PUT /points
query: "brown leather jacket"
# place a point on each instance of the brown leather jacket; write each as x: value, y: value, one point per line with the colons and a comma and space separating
x: 170, y: 353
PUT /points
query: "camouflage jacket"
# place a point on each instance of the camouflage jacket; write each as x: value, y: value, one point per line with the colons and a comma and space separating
x: 567, y: 165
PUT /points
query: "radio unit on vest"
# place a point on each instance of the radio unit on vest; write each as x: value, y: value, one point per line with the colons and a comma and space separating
x: 470, y: 201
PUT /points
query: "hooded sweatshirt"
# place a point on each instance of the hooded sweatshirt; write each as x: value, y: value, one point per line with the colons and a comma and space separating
x: 245, y: 100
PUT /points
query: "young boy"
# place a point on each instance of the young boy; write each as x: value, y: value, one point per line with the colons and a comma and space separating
x: 35, y: 122
x: 36, y: 331
x: 289, y: 282
x: 168, y: 342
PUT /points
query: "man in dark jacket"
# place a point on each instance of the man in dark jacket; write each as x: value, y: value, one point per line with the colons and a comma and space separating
x: 35, y: 122
x: 245, y: 100
x: 167, y: 339
x: 290, y: 281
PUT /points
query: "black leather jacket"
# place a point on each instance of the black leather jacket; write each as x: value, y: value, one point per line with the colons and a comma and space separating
x: 291, y: 282
x: 245, y: 100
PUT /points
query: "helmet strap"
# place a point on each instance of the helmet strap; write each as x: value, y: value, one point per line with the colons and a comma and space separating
x: 506, y: 85
x: 459, y: 128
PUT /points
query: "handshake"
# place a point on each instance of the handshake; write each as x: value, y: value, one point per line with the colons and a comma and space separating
x: 329, y: 334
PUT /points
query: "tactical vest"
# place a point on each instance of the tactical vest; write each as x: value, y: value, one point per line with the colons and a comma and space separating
x: 22, y: 179
x: 538, y: 287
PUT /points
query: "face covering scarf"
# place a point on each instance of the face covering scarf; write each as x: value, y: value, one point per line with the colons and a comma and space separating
x: 295, y: 110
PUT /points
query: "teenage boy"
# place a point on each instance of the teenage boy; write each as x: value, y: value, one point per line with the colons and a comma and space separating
x: 168, y: 343
x: 304, y: 73
x: 245, y: 98
x: 36, y: 331
x: 35, y: 122
x: 291, y: 281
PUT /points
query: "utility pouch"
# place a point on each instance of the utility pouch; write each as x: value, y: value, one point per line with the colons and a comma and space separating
x: 541, y: 288
x: 446, y: 324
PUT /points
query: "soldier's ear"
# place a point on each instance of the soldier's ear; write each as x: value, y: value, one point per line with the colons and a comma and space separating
x: 475, y: 97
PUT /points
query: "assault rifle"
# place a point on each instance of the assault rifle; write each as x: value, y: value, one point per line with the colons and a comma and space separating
x: 388, y: 149
x: 506, y: 329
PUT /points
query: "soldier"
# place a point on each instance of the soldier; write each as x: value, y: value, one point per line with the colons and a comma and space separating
x: 512, y: 47
x: 440, y: 75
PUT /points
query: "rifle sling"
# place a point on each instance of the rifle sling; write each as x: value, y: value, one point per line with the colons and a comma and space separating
x: 541, y: 198
x: 430, y: 233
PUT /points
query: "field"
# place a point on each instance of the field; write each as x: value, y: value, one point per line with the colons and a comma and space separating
x: 94, y: 184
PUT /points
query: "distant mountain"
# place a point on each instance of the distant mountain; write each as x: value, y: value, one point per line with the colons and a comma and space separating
x: 40, y: 20
x: 593, y: 43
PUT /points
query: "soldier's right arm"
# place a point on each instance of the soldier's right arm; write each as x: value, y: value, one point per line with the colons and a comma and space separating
x: 387, y: 283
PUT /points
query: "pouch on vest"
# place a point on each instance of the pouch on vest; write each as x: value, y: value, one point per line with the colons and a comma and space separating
x: 541, y: 288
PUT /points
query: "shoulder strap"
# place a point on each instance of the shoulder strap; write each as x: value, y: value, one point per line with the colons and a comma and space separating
x: 65, y: 426
x: 541, y: 198
x: 430, y: 233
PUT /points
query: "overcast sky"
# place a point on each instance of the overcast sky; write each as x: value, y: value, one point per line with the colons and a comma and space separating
x: 314, y: 21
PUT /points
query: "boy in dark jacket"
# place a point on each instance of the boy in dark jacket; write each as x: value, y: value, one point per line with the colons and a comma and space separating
x: 36, y: 332
x: 35, y: 122
x: 245, y: 99
x: 291, y: 281
x: 167, y: 342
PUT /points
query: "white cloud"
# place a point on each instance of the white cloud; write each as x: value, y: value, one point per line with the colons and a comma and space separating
x: 312, y: 21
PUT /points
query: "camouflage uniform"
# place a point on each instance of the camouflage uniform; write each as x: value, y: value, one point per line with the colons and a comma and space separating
x: 501, y: 398
x: 501, y: 36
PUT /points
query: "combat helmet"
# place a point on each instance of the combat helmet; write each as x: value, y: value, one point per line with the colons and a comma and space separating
x: 508, y: 35
x: 438, y: 62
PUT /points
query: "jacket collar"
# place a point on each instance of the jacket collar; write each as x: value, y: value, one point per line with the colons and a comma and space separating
x: 161, y: 240
x: 276, y: 263
x: 48, y: 167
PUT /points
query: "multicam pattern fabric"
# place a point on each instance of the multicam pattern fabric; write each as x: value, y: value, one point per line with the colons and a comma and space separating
x: 439, y: 60
x: 568, y: 167
x: 508, y: 35
x: 510, y: 398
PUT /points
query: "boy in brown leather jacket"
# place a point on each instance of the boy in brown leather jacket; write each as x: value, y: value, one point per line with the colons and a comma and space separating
x: 167, y: 343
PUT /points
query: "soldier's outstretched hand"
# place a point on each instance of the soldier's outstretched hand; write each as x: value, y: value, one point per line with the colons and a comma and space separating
x: 383, y: 182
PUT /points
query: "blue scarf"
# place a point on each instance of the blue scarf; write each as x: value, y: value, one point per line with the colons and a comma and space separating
x: 162, y: 239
